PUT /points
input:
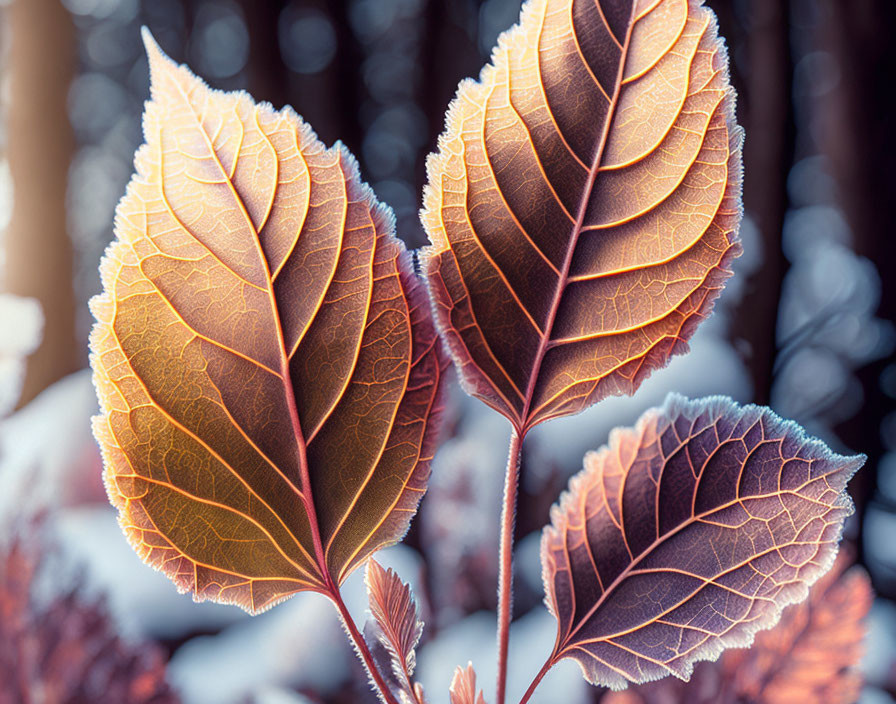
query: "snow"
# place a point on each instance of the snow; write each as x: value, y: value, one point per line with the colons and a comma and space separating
x: 299, y: 643
x: 22, y: 323
x: 473, y: 639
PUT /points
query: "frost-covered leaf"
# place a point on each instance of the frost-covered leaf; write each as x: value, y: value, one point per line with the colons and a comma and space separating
x: 584, y: 202
x: 686, y: 535
x: 395, y: 625
x: 266, y: 367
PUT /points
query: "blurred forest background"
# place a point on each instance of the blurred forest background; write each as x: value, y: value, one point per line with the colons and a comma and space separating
x: 806, y: 325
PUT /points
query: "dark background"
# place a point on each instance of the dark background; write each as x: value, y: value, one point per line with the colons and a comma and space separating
x: 807, y: 327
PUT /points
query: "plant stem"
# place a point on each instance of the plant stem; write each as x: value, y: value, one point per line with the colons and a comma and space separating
x: 505, y: 572
x: 541, y: 673
x: 361, y: 648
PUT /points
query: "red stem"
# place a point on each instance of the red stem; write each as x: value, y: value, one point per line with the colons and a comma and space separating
x: 505, y: 572
x: 505, y: 589
x: 24, y: 671
x: 360, y: 645
x: 332, y: 587
x: 541, y: 673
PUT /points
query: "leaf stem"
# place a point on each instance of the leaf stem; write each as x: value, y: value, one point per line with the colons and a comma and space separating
x: 410, y: 683
x: 541, y: 673
x: 505, y: 571
x: 360, y: 644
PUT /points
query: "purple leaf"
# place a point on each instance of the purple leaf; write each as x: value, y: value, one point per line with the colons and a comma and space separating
x: 686, y: 535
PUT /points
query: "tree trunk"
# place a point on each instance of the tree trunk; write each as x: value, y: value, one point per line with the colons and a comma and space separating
x: 267, y: 73
x: 768, y: 157
x: 40, y: 145
x: 858, y: 139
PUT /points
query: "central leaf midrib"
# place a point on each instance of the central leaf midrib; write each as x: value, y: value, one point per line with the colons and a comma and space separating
x: 289, y: 391
x: 577, y: 229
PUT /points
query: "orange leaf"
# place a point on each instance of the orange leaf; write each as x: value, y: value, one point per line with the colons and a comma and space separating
x: 463, y: 687
x: 267, y: 370
x: 812, y: 655
x: 584, y: 202
x: 688, y: 534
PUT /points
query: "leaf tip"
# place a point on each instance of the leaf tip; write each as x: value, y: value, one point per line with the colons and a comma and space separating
x: 463, y: 686
x: 154, y: 53
x: 853, y: 463
x: 153, y: 50
x: 374, y: 573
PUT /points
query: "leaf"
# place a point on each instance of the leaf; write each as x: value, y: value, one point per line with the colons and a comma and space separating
x: 395, y: 624
x: 584, y: 203
x: 267, y: 371
x: 60, y: 647
x: 463, y: 687
x: 812, y: 654
x: 686, y: 535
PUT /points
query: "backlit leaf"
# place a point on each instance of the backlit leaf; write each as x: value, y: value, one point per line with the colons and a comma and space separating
x: 265, y: 363
x: 584, y: 203
x: 463, y: 687
x: 395, y: 625
x: 812, y: 655
x: 686, y: 535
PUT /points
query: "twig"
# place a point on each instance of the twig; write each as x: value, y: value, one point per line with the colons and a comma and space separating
x: 505, y: 573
